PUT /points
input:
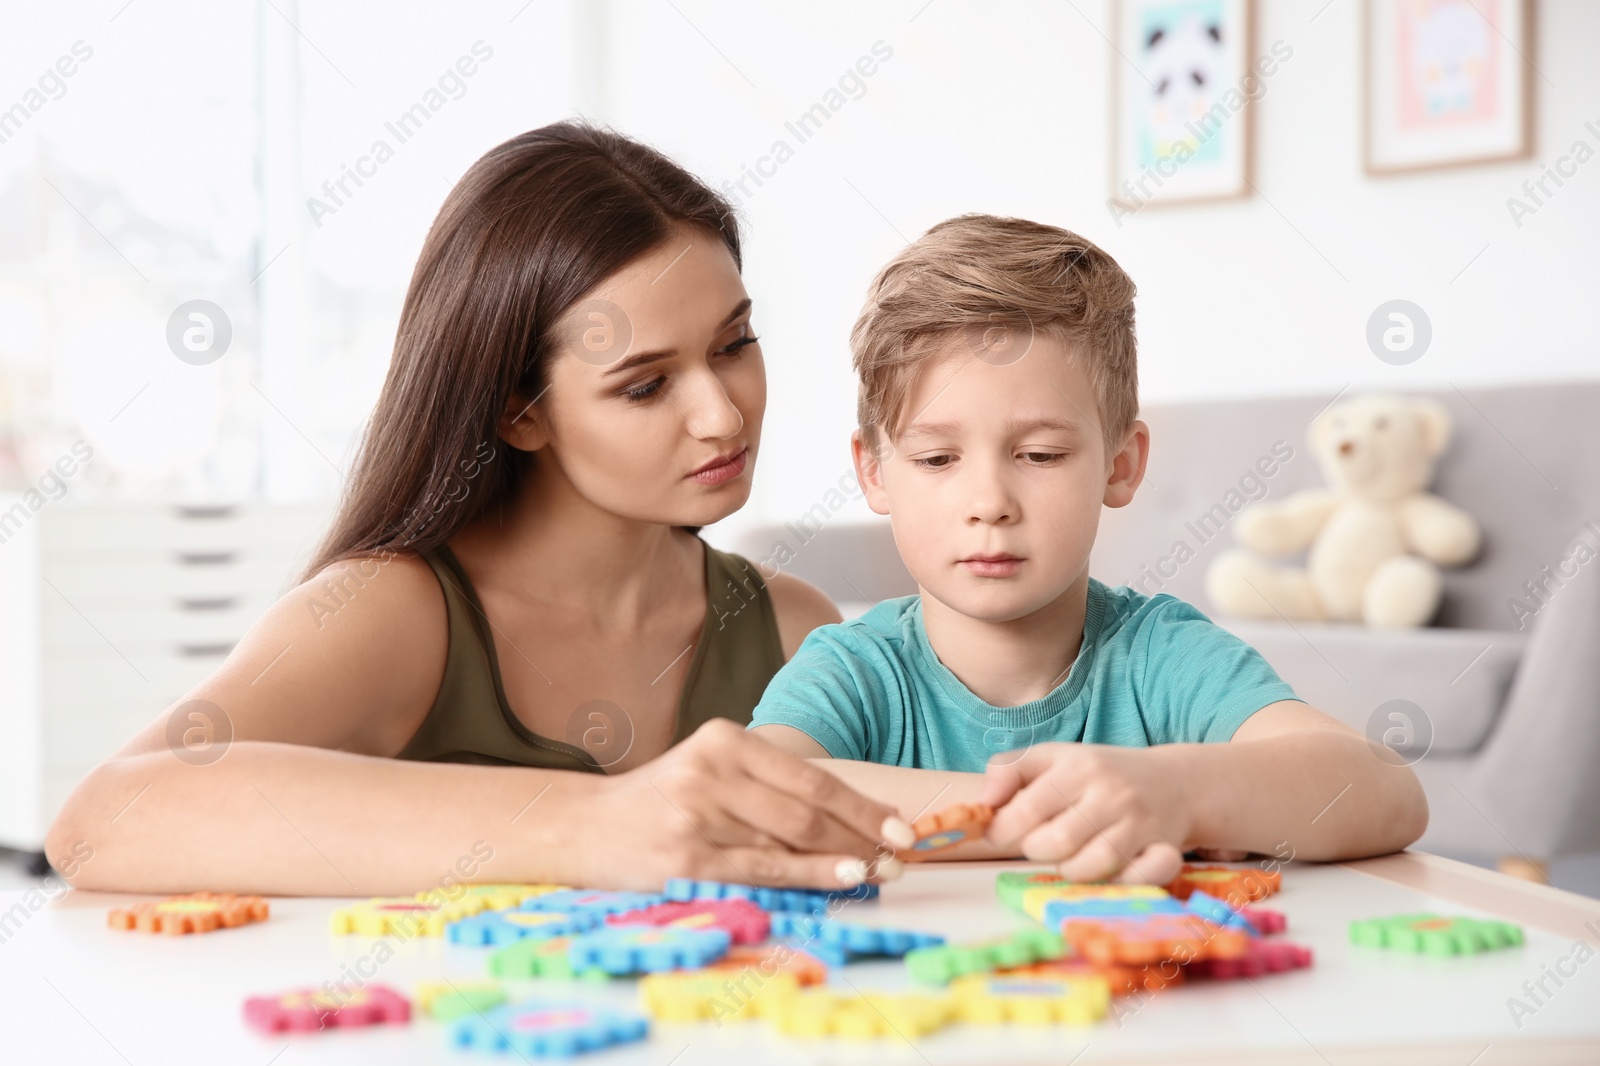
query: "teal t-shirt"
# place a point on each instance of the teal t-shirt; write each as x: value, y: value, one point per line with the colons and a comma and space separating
x: 1151, y: 670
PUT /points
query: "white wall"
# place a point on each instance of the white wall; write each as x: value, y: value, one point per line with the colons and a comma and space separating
x: 998, y: 106
x: 1002, y: 107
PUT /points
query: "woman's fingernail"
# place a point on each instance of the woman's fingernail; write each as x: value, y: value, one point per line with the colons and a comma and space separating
x: 850, y: 871
x: 890, y: 869
x: 898, y: 831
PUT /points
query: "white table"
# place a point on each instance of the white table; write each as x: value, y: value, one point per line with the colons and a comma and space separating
x: 72, y: 991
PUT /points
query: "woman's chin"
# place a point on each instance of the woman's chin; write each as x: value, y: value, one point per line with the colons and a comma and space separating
x: 713, y: 507
x: 704, y: 508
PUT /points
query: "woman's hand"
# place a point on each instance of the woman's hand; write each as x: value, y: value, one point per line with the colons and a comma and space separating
x: 1095, y: 810
x: 727, y: 806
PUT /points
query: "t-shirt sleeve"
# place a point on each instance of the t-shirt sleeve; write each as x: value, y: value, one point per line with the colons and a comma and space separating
x: 1200, y: 682
x: 827, y: 692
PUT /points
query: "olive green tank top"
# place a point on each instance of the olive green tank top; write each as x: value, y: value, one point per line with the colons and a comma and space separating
x: 736, y: 654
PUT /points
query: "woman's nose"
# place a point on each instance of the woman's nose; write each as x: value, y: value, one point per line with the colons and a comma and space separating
x: 714, y: 415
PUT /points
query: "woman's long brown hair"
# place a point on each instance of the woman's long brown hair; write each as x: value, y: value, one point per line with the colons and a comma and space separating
x: 534, y: 225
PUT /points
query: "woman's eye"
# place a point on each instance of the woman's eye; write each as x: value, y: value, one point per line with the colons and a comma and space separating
x: 640, y: 393
x: 733, y: 349
x: 934, y: 462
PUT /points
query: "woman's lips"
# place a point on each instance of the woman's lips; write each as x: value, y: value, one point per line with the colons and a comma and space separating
x: 721, y: 470
x: 992, y: 565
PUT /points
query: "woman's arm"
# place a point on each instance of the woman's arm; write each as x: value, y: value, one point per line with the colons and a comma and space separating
x: 308, y: 799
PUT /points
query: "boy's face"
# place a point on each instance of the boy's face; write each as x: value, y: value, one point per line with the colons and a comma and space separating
x: 996, y: 476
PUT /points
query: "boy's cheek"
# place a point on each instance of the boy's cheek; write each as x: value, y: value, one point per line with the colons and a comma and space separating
x: 916, y: 536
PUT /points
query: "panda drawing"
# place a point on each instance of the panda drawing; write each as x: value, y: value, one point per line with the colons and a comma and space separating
x: 1183, y: 62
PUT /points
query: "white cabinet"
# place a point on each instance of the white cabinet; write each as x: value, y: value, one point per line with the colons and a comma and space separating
x: 111, y: 612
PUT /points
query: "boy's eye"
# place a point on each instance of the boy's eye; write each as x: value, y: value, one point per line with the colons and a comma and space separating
x: 640, y: 393
x: 1041, y: 458
x: 934, y: 462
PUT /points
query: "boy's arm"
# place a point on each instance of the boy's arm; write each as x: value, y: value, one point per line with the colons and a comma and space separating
x: 1294, y: 776
x: 1291, y: 778
x: 796, y: 742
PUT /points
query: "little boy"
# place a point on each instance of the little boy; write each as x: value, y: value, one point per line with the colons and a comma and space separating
x: 998, y: 404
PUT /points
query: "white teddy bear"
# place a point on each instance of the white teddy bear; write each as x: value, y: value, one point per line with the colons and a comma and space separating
x: 1376, y: 538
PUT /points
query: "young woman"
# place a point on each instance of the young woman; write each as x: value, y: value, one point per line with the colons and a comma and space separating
x: 515, y: 580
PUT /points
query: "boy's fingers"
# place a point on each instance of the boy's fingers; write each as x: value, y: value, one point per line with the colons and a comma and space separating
x: 1158, y: 864
x: 1101, y: 858
x: 1028, y: 810
x: 1001, y: 780
x: 1059, y: 837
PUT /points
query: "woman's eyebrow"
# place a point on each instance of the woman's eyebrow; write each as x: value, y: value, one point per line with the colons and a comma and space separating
x: 639, y: 359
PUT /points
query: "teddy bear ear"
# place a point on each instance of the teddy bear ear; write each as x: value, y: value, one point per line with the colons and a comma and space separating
x: 1435, y: 423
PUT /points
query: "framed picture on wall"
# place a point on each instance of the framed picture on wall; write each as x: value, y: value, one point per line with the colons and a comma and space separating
x: 1182, y: 81
x: 1446, y: 83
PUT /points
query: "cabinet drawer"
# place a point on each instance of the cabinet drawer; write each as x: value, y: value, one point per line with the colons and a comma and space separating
x: 78, y: 686
x: 177, y: 575
x: 142, y: 531
x: 164, y: 625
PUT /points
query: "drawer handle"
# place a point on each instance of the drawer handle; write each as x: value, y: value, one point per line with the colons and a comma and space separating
x: 206, y: 558
x: 203, y: 651
x: 221, y: 510
x: 215, y: 603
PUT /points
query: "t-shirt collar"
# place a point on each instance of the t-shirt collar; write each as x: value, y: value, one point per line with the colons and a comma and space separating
x: 1024, y: 715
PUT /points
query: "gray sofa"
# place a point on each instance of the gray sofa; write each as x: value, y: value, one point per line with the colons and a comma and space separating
x: 1499, y: 709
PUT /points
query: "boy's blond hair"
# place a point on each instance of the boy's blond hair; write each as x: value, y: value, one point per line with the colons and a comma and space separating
x: 971, y: 274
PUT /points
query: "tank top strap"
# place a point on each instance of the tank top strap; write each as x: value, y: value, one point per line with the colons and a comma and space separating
x: 740, y: 646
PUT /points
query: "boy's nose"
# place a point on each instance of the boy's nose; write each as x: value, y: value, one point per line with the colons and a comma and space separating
x: 991, y: 500
x: 991, y: 510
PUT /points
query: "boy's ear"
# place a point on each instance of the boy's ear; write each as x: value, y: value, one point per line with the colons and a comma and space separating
x: 1127, y: 466
x: 869, y: 468
x: 523, y: 425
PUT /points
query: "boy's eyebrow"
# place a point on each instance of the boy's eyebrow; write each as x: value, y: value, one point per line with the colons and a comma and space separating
x: 1024, y: 425
x: 1013, y: 426
x: 639, y: 359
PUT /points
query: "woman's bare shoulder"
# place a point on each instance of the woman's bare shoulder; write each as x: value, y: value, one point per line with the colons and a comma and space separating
x: 800, y: 607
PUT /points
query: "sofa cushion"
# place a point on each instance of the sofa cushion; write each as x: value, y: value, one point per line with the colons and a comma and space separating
x: 1458, y: 678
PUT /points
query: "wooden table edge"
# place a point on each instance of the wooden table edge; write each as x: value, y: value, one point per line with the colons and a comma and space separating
x: 1543, y: 906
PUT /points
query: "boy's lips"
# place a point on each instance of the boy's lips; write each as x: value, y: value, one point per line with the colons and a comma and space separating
x: 993, y: 564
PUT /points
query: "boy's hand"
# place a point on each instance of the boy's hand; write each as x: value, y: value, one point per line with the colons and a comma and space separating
x: 1096, y: 810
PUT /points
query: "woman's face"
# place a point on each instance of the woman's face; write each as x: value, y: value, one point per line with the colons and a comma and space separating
x: 657, y: 388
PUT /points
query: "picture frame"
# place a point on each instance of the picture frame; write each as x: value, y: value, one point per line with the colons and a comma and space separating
x: 1446, y: 83
x: 1183, y: 79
